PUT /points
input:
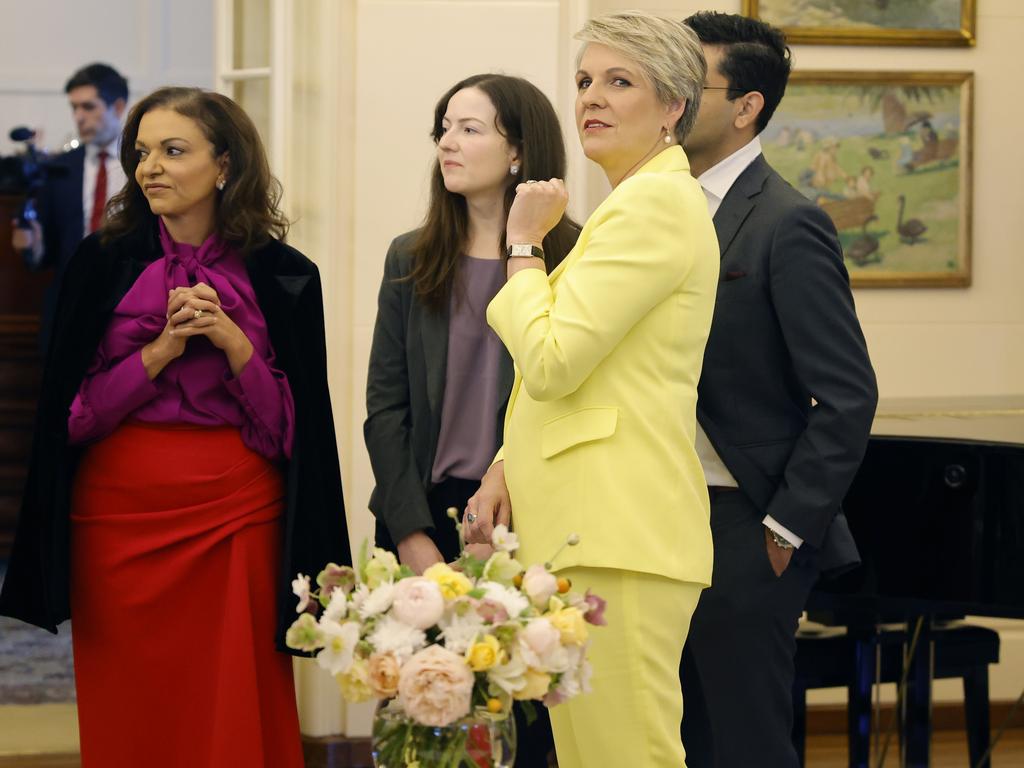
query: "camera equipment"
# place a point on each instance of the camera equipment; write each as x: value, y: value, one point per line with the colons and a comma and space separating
x: 25, y: 173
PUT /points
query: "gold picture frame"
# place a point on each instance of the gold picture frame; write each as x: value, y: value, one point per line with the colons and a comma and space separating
x: 863, y: 22
x: 888, y: 155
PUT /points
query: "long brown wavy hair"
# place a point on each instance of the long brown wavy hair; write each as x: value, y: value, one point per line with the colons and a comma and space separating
x: 248, y: 210
x: 528, y: 122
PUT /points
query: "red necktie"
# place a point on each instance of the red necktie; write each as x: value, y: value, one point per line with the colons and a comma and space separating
x: 99, y: 197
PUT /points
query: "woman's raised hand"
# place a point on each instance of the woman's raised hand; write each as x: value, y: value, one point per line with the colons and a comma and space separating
x: 538, y: 207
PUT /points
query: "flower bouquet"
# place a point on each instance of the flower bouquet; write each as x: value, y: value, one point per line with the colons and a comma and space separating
x: 450, y: 650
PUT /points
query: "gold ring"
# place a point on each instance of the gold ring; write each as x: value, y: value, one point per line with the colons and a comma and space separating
x: 197, y: 314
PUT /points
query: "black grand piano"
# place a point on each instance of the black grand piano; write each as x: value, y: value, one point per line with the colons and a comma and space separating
x: 937, y: 510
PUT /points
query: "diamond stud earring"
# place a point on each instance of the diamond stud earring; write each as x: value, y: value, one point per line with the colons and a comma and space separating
x: 514, y: 170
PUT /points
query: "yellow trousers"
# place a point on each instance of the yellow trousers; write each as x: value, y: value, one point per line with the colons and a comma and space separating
x: 631, y: 718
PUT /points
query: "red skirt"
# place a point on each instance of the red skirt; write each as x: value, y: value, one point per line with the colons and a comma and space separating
x: 176, y: 535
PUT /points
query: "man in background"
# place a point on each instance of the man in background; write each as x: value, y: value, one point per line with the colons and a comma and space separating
x: 785, y: 404
x: 79, y: 182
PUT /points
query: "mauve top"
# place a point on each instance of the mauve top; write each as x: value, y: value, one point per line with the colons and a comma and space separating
x: 469, y: 413
x: 198, y: 387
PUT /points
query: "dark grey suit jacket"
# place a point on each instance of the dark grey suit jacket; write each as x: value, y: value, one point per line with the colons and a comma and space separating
x: 404, y: 396
x: 787, y: 393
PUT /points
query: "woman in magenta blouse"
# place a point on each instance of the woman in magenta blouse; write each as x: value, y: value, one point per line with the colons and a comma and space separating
x: 185, y: 465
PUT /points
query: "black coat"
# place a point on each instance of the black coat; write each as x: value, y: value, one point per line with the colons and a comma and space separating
x: 287, y: 286
x: 785, y: 332
x: 62, y: 218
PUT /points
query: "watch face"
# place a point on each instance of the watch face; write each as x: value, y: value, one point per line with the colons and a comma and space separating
x: 521, y: 249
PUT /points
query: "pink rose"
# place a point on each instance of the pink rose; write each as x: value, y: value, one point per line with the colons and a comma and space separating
x: 539, y: 585
x: 417, y: 602
x: 435, y: 686
x: 540, y: 638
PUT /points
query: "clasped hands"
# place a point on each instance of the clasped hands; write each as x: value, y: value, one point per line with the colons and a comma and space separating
x: 196, y: 311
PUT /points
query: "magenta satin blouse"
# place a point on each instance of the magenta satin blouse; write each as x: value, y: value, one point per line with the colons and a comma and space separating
x: 198, y: 387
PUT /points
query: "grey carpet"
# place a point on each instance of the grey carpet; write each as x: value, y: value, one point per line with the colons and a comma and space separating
x: 35, y: 666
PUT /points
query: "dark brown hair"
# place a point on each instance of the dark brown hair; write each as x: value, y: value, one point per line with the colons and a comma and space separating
x: 247, y: 212
x: 528, y: 122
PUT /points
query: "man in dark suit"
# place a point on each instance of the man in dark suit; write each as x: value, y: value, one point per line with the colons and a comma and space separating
x: 785, y: 405
x: 79, y: 183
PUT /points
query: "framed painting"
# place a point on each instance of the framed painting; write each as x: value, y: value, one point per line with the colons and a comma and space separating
x: 870, y: 22
x: 888, y: 156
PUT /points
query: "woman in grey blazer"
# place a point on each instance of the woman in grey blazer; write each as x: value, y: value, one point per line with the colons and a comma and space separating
x: 439, y: 378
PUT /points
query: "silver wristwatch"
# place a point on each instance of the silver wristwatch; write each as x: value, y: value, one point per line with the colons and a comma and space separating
x: 525, y: 250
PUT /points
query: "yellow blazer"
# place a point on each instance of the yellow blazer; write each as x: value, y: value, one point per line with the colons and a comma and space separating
x: 608, y: 349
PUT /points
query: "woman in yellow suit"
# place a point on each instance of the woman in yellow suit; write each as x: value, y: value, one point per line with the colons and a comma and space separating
x: 600, y: 426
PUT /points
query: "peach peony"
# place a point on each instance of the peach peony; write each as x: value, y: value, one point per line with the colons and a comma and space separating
x: 435, y: 686
x: 383, y: 674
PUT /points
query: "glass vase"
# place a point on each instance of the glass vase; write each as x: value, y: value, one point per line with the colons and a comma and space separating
x: 476, y: 741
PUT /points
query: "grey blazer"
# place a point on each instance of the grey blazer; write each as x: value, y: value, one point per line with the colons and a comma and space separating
x: 404, y: 395
x: 785, y: 332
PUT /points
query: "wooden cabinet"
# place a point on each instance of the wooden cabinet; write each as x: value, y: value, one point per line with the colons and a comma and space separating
x: 21, y: 302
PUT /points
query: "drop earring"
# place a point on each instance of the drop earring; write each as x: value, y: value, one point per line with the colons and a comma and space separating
x: 514, y: 170
x: 220, y: 183
x: 668, y: 135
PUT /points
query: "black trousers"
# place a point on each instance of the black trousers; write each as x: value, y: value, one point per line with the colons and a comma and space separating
x: 737, y: 665
x: 535, y: 740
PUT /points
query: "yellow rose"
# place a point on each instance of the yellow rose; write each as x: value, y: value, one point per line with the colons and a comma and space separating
x: 355, y: 684
x: 452, y: 583
x: 537, y: 684
x: 570, y: 624
x: 485, y: 654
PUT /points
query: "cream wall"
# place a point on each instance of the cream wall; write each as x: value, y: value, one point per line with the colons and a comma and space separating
x: 151, y: 42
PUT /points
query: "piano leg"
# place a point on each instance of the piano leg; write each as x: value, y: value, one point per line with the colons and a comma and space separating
x: 976, y: 708
x: 918, y: 723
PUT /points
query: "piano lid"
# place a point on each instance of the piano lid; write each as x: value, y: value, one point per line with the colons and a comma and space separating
x: 993, y: 419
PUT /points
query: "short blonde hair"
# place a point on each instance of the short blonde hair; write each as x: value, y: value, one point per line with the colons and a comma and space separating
x: 667, y: 51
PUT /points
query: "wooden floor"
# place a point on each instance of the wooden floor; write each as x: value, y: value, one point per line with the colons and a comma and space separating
x: 949, y: 750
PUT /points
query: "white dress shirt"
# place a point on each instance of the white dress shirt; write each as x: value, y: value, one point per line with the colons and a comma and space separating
x: 115, y: 177
x: 716, y: 183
